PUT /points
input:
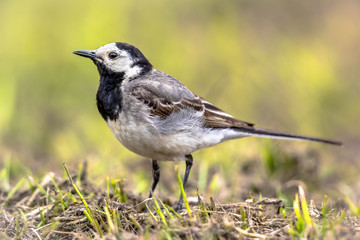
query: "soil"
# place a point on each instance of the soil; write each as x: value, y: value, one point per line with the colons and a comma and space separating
x: 32, y: 214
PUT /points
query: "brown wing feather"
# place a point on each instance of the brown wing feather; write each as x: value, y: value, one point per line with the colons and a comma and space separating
x: 217, y: 118
x: 214, y: 120
x: 162, y: 107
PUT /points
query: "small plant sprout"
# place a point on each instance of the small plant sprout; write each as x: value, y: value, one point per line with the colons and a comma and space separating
x: 182, y: 190
x: 353, y: 208
x: 88, y: 213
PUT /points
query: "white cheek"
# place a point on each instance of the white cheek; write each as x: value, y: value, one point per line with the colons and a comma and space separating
x: 117, y: 66
x: 125, y: 65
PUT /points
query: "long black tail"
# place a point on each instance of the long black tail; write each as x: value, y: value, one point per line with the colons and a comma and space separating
x: 275, y: 134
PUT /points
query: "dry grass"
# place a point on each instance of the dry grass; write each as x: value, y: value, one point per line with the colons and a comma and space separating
x: 52, y: 209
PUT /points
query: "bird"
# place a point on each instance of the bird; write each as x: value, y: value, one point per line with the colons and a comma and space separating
x: 154, y: 115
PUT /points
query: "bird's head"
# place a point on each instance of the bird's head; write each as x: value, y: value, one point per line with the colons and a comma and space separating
x: 118, y: 58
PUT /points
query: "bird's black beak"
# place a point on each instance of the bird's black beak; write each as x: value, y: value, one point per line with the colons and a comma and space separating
x: 85, y: 53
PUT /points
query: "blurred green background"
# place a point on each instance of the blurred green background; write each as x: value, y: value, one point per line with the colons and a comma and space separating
x: 285, y: 65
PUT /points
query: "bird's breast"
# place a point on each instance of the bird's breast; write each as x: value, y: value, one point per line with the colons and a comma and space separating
x: 109, y: 100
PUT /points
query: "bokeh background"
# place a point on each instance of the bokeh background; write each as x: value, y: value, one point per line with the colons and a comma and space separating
x: 284, y: 65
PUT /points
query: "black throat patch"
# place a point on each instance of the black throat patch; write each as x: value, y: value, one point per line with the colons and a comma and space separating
x: 109, y: 95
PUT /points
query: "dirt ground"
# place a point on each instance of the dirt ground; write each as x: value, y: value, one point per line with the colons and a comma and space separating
x: 52, y: 209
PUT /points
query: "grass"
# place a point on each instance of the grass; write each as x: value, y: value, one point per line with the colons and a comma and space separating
x: 183, y: 191
x: 76, y: 206
x: 88, y: 212
x: 62, y: 208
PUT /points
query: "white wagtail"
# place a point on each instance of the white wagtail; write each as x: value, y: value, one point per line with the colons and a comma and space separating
x: 156, y: 116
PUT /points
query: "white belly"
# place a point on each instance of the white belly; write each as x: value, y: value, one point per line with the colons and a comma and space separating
x: 146, y: 140
x: 167, y: 139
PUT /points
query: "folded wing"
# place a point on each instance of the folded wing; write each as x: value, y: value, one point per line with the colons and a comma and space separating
x: 163, y: 105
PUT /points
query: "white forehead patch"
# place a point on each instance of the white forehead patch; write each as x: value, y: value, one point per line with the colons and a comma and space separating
x: 107, y: 48
x: 124, y: 63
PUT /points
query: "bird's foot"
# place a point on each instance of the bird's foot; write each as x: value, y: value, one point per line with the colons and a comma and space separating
x: 178, y: 207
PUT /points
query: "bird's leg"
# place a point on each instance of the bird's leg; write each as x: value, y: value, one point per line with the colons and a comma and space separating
x: 189, y: 163
x: 156, y: 176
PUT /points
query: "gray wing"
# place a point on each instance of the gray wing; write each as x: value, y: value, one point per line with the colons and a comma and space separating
x: 165, y: 95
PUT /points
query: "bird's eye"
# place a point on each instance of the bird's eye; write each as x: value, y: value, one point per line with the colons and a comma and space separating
x: 113, y: 55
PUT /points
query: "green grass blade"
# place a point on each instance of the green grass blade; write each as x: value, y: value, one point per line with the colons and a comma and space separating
x: 304, y: 207
x: 88, y: 211
x: 166, y: 209
x: 42, y: 217
x: 183, y: 191
x: 151, y: 214
x: 112, y: 227
x: 324, y: 210
x: 123, y: 197
x: 59, y: 195
x: 301, y: 222
x: 159, y: 212
x: 353, y: 208
x: 173, y: 211
x: 14, y: 190
x: 243, y: 217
